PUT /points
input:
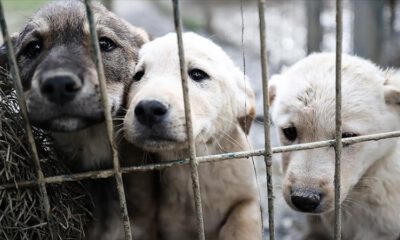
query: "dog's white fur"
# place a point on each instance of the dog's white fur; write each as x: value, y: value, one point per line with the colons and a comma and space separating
x: 304, y: 96
x: 219, y: 106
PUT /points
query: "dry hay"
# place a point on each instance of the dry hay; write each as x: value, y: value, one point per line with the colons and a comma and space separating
x: 21, y: 212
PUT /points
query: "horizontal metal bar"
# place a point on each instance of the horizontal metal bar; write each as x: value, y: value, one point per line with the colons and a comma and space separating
x: 203, y: 159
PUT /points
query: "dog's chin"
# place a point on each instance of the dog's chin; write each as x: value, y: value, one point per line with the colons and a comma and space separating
x: 67, y: 124
x: 319, y: 210
x: 157, y: 144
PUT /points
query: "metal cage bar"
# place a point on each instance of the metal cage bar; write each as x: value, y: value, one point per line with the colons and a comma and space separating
x: 23, y: 110
x: 268, y: 150
x: 338, y: 116
x: 188, y: 118
x: 108, y: 119
x: 203, y: 159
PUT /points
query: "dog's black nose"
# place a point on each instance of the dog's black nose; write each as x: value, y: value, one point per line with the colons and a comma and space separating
x: 306, y: 200
x: 150, y: 112
x: 60, y: 89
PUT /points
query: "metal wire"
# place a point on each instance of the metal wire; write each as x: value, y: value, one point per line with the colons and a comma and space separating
x: 108, y: 119
x: 268, y: 151
x: 189, y: 128
x: 23, y: 110
x: 338, y: 115
x: 202, y: 159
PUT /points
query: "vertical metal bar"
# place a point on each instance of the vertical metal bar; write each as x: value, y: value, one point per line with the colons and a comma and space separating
x: 28, y: 128
x: 268, y: 150
x: 189, y: 127
x: 108, y: 118
x: 338, y: 137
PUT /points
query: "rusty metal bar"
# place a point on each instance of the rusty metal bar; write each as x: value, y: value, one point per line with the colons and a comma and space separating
x: 24, y: 111
x: 338, y: 116
x: 202, y: 159
x: 108, y: 119
x: 268, y: 151
x: 189, y: 128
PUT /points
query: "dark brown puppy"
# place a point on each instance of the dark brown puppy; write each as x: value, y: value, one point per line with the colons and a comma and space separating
x: 61, y: 87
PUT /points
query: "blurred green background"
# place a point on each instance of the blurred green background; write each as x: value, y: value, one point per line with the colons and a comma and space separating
x: 18, y: 11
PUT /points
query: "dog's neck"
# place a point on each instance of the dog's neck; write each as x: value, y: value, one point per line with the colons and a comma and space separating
x: 88, y: 149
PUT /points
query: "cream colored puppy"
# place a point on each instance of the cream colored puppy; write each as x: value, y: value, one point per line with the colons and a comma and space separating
x: 222, y: 109
x: 303, y: 109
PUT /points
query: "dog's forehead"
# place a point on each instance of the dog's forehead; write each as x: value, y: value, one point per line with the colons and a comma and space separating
x: 196, y: 47
x: 66, y: 19
x: 59, y: 15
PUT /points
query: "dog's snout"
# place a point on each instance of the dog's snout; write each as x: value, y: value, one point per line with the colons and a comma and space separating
x: 60, y: 89
x: 150, y: 112
x: 306, y: 200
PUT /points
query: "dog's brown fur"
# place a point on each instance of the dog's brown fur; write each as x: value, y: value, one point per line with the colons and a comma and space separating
x: 63, y: 32
x: 58, y: 37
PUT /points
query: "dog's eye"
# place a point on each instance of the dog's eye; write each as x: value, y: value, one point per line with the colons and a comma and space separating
x: 33, y: 49
x: 198, y: 75
x: 138, y: 76
x: 290, y: 133
x: 106, y: 44
x: 349, y: 135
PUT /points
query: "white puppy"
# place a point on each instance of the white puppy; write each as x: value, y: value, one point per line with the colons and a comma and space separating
x: 303, y: 109
x: 222, y: 109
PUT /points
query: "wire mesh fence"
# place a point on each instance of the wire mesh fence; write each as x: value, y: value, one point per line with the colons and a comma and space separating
x: 193, y: 160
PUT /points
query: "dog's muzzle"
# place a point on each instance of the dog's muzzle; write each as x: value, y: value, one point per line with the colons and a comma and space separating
x: 60, y: 88
x: 64, y: 102
x: 155, y: 128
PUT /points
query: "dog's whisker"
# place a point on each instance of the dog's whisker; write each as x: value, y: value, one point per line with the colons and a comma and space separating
x: 231, y: 139
x: 218, y: 144
x: 205, y: 144
x: 347, y: 210
x: 354, y: 201
x: 118, y: 118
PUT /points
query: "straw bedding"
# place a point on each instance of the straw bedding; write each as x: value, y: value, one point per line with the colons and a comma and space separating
x: 21, y: 212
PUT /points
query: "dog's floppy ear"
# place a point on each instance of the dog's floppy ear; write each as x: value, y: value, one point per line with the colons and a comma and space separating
x: 392, y: 95
x: 392, y: 89
x: 142, y: 36
x: 272, y: 85
x: 3, y: 51
x: 246, y: 102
